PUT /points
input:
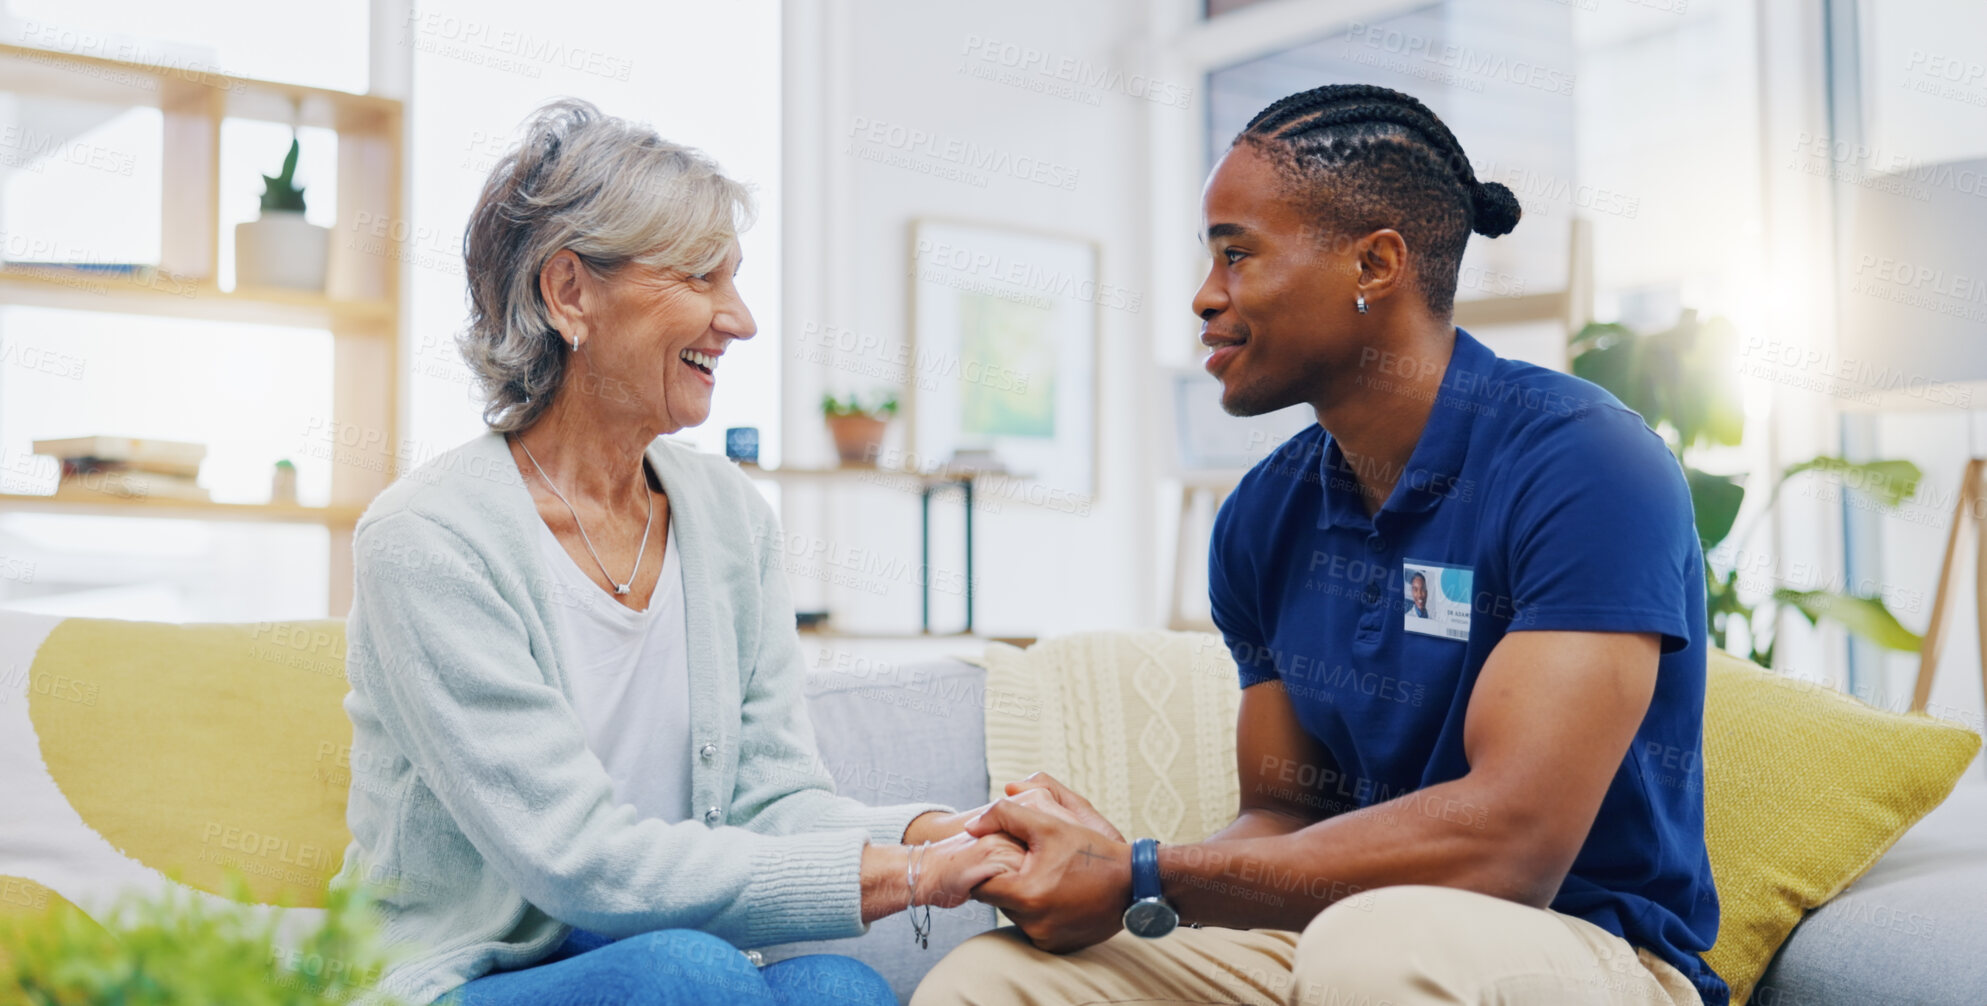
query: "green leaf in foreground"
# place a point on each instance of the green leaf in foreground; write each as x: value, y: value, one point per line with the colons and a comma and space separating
x: 179, y: 947
x: 1714, y: 502
x: 1893, y: 482
x: 1864, y: 616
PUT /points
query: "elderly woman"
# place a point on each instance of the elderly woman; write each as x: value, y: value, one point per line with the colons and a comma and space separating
x: 582, y: 758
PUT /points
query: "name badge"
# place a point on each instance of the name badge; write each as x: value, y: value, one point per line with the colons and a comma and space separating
x: 1438, y: 599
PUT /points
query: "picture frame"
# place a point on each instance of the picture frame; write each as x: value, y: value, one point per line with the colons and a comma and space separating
x: 1210, y: 442
x: 1003, y: 359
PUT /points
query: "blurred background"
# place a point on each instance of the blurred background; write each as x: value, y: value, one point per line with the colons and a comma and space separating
x: 1756, y: 220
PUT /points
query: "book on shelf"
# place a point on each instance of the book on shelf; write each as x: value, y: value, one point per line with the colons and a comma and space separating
x: 128, y: 484
x: 91, y: 466
x: 84, y: 455
x: 100, y: 268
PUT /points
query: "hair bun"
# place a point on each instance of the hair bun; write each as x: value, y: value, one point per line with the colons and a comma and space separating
x: 1494, y: 208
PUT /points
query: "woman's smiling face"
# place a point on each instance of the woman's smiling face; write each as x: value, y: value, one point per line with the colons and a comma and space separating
x: 657, y: 335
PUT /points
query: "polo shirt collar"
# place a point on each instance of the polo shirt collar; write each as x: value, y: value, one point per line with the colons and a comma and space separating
x: 1437, y: 461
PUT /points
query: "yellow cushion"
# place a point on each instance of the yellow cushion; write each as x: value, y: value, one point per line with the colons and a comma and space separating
x: 1804, y: 790
x: 190, y: 750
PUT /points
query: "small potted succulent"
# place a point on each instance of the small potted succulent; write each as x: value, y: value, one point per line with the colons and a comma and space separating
x: 283, y: 482
x: 857, y: 423
x: 279, y: 248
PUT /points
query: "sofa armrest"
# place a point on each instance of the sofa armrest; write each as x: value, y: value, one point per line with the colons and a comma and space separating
x: 902, y: 733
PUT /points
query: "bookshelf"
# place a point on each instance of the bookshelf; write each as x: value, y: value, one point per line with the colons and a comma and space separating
x: 172, y: 297
x: 363, y: 303
x: 111, y: 506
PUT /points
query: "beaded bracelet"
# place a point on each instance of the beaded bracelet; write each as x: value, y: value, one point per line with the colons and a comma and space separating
x: 920, y: 932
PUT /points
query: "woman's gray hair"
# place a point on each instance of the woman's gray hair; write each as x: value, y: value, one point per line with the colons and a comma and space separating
x: 611, y: 190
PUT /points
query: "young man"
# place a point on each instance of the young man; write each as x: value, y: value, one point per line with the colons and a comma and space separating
x: 1460, y: 808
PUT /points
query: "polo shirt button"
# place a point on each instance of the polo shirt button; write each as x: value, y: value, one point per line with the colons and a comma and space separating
x: 1377, y: 543
x: 713, y: 816
x: 1372, y: 595
x: 709, y: 751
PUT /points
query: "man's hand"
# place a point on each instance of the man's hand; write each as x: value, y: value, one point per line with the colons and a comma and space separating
x: 1074, y: 883
x: 936, y: 826
x: 1079, y: 809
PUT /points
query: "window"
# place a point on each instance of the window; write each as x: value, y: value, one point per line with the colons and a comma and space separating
x: 1640, y: 121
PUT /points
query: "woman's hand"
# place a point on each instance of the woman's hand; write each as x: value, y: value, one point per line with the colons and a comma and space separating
x: 950, y: 870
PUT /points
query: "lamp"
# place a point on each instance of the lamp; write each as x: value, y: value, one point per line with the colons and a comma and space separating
x: 1914, y: 336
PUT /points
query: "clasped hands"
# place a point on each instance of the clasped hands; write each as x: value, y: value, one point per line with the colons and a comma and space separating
x: 1044, y: 856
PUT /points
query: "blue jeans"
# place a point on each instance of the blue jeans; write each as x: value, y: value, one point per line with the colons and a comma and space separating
x: 673, y: 967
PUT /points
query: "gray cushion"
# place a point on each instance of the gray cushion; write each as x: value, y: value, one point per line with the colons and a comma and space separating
x: 1913, y: 930
x: 906, y: 733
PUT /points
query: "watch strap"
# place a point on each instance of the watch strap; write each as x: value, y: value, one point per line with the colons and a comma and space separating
x: 1145, y: 869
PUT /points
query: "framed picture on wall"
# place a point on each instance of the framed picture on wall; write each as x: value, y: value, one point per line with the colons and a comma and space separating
x: 1004, y: 351
x: 1209, y: 441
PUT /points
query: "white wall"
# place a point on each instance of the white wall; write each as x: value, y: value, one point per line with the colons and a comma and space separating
x: 909, y: 64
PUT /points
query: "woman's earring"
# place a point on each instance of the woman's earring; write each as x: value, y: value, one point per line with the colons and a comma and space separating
x: 1361, y: 302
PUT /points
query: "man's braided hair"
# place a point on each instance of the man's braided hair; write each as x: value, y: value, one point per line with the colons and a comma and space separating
x: 1362, y: 158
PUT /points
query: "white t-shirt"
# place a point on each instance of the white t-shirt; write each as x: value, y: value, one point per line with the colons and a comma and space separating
x: 630, y: 672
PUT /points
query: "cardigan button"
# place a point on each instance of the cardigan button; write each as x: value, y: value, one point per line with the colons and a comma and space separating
x: 713, y: 816
x: 709, y: 751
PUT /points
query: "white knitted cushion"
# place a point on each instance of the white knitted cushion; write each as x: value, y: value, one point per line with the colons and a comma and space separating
x: 1141, y: 723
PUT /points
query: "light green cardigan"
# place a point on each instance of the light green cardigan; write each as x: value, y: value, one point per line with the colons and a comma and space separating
x: 474, y: 796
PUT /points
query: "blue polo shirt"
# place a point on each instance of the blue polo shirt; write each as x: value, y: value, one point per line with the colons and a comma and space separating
x: 1534, y: 500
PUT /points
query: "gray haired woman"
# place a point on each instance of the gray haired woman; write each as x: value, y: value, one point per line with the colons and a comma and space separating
x: 582, y: 758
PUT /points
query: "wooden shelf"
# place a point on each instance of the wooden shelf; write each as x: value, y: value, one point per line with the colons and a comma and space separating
x: 69, y: 93
x: 891, y: 637
x: 868, y: 474
x: 112, y: 506
x: 158, y: 293
x: 41, y: 72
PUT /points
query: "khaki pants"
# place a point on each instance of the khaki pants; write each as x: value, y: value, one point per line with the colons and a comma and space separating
x: 1393, y: 946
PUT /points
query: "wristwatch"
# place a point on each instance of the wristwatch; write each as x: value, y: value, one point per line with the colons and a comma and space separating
x: 1149, y: 915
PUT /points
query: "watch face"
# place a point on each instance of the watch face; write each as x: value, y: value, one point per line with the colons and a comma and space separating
x: 1151, y: 918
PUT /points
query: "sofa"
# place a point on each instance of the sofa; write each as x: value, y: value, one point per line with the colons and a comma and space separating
x: 188, y: 747
x: 1912, y: 930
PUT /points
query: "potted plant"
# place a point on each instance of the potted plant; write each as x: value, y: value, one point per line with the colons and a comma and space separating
x: 279, y: 248
x: 1682, y: 382
x: 283, y: 482
x: 858, y: 426
x: 180, y: 947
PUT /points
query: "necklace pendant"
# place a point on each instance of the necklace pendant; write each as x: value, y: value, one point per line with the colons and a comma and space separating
x: 619, y: 588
